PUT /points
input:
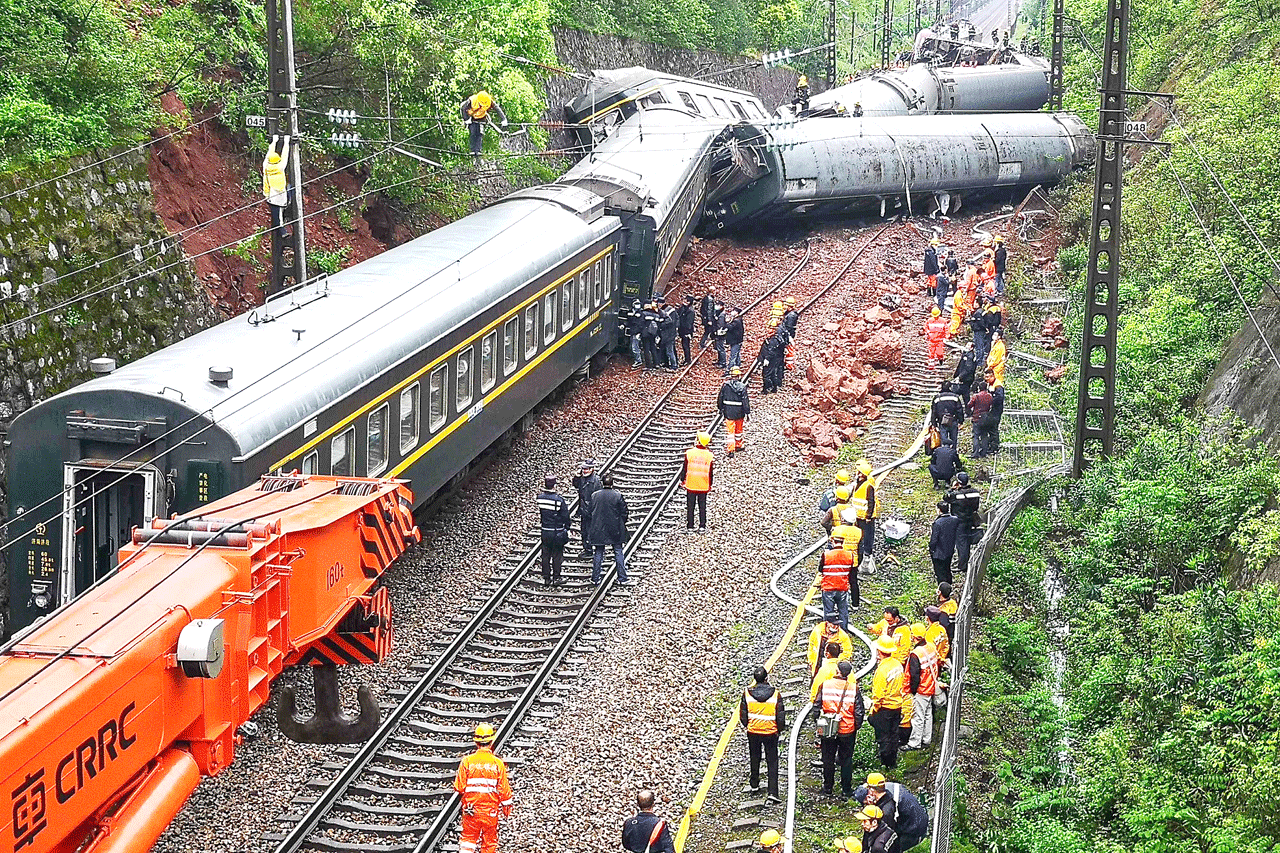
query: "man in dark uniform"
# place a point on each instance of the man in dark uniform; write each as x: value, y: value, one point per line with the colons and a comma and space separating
x: 931, y: 267
x: 944, y: 464
x: 646, y: 832
x: 942, y: 542
x: 734, y: 404
x: 1002, y: 263
x: 977, y: 321
x: 770, y: 354
x: 964, y: 500
x: 708, y: 312
x: 587, y: 484
x: 966, y: 368
x: 685, y: 319
x: 947, y: 414
x: 635, y: 322
x: 649, y: 330
x: 555, y: 530
x: 720, y: 329
x: 667, y: 336
x: 734, y: 332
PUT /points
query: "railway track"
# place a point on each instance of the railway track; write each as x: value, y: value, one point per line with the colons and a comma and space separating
x: 393, y: 794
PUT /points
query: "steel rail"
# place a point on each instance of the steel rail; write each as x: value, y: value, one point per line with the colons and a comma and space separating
x: 297, y: 837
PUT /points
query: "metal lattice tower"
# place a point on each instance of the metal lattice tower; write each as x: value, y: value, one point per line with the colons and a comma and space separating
x: 1055, y: 67
x: 831, y: 41
x: 1095, y: 401
x: 886, y: 36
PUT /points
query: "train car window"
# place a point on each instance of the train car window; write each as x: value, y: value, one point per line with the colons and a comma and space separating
x: 510, y: 358
x: 548, y: 318
x: 465, y: 380
x: 410, y: 400
x: 566, y: 306
x: 737, y: 108
x: 688, y: 102
x: 488, y: 362
x: 311, y: 463
x: 704, y: 101
x: 582, y: 295
x: 531, y: 331
x: 723, y: 107
x: 754, y: 110
x: 599, y: 279
x: 379, y: 422
x: 436, y: 410
x: 342, y: 451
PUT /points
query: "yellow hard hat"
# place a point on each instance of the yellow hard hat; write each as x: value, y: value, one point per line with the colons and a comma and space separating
x: 999, y: 239
x: 864, y: 467
x: 918, y: 630
x: 704, y: 439
x: 273, y: 157
x: 935, y: 242
x: 803, y: 81
x: 843, y: 476
x: 735, y: 371
x: 875, y: 780
x: 852, y: 844
x: 770, y: 838
x: 843, y: 492
x: 886, y: 645
x: 790, y: 300
x: 485, y: 734
x: 773, y: 321
x: 936, y: 311
x: 986, y: 242
x: 870, y: 813
x: 777, y: 306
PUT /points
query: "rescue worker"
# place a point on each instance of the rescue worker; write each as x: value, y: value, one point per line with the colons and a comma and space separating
x: 935, y: 331
x: 834, y: 517
x: 987, y: 272
x: 877, y: 836
x: 667, y: 336
x: 646, y: 832
x: 734, y: 404
x: 762, y: 713
x: 894, y: 628
x: 952, y: 265
x: 963, y: 500
x: 635, y: 323
x: 931, y: 266
x: 801, y: 100
x: 857, y: 109
x: 587, y: 484
x: 275, y: 181
x: 846, y: 536
x: 650, y: 325
x: 946, y: 603
x: 852, y: 844
x: 958, y: 312
x: 946, y: 412
x: 733, y: 335
x: 966, y: 370
x: 922, y: 683
x: 481, y: 782
x: 864, y: 502
x: 936, y: 632
x: 608, y: 529
x: 686, y: 319
x: 554, y: 511
x: 838, y: 573
x: 886, y: 701
x: 980, y: 404
x: 901, y: 810
x: 996, y: 359
x: 942, y: 542
x: 707, y: 312
x: 824, y: 633
x: 695, y: 476
x: 841, y: 697
x: 1001, y: 258
x: 831, y: 658
x: 995, y: 315
x: 790, y: 321
x: 770, y: 842
x: 772, y: 351
x: 475, y: 111
x: 842, y: 478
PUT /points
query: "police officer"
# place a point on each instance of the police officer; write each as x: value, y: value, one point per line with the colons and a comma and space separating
x: 963, y: 500
x: 555, y: 530
x: 635, y: 322
x: 667, y: 336
x: 587, y: 483
x: 707, y: 310
x: 791, y: 319
x: 1002, y: 263
x: 947, y: 414
x: 772, y: 351
x: 649, y: 330
x: 685, y: 319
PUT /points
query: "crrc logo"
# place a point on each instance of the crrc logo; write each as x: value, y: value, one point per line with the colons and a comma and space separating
x: 82, y: 763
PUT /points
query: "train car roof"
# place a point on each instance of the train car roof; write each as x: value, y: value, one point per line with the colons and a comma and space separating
x: 608, y: 87
x: 659, y: 151
x: 373, y: 315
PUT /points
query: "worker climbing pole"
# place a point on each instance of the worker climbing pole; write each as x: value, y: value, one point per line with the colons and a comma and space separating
x: 288, y: 242
x: 1055, y: 67
x: 1095, y: 400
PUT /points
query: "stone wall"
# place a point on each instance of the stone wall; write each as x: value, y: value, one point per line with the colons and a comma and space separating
x: 1247, y: 380
x: 86, y: 269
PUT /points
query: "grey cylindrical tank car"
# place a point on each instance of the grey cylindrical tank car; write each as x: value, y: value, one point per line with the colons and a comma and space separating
x: 919, y: 165
x: 922, y: 89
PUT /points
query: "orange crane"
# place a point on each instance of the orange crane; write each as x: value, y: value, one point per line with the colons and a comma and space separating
x: 113, y: 708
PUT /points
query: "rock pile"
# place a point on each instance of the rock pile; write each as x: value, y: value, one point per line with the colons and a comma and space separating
x: 1051, y: 335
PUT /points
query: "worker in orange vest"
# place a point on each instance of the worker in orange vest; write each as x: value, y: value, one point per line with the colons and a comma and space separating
x: 840, y: 697
x: 695, y: 476
x: 475, y: 111
x: 482, y: 784
x: 761, y: 711
x: 935, y: 331
x: 922, y: 678
x: 839, y: 581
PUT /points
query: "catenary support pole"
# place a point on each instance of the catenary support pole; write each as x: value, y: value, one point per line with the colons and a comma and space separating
x: 831, y: 40
x: 1096, y: 397
x: 288, y: 244
x: 1055, y: 67
x: 886, y: 36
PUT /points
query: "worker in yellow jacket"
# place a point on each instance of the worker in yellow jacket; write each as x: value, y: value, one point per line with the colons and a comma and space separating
x: 888, y: 694
x: 475, y: 112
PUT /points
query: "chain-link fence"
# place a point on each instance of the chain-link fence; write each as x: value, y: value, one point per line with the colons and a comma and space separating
x: 999, y: 518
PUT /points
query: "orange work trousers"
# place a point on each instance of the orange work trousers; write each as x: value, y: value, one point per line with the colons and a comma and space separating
x: 479, y: 834
x: 733, y: 436
x: 791, y: 357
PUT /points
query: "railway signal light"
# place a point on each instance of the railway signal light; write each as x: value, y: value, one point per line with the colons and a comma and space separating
x: 345, y: 140
x: 337, y: 116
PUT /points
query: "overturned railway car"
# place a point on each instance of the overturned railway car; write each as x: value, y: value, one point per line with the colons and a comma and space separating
x: 918, y: 165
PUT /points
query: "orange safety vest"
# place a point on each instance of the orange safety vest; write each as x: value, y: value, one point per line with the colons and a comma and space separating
x: 481, y: 780
x: 949, y: 606
x: 762, y: 717
x: 841, y: 697
x: 698, y: 476
x: 928, y: 657
x: 935, y: 329
x: 836, y: 565
x: 480, y: 104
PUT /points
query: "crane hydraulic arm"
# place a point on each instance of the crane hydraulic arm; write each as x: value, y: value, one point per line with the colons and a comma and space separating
x: 113, y: 708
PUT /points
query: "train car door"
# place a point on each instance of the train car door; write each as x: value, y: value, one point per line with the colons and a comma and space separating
x: 101, y: 504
